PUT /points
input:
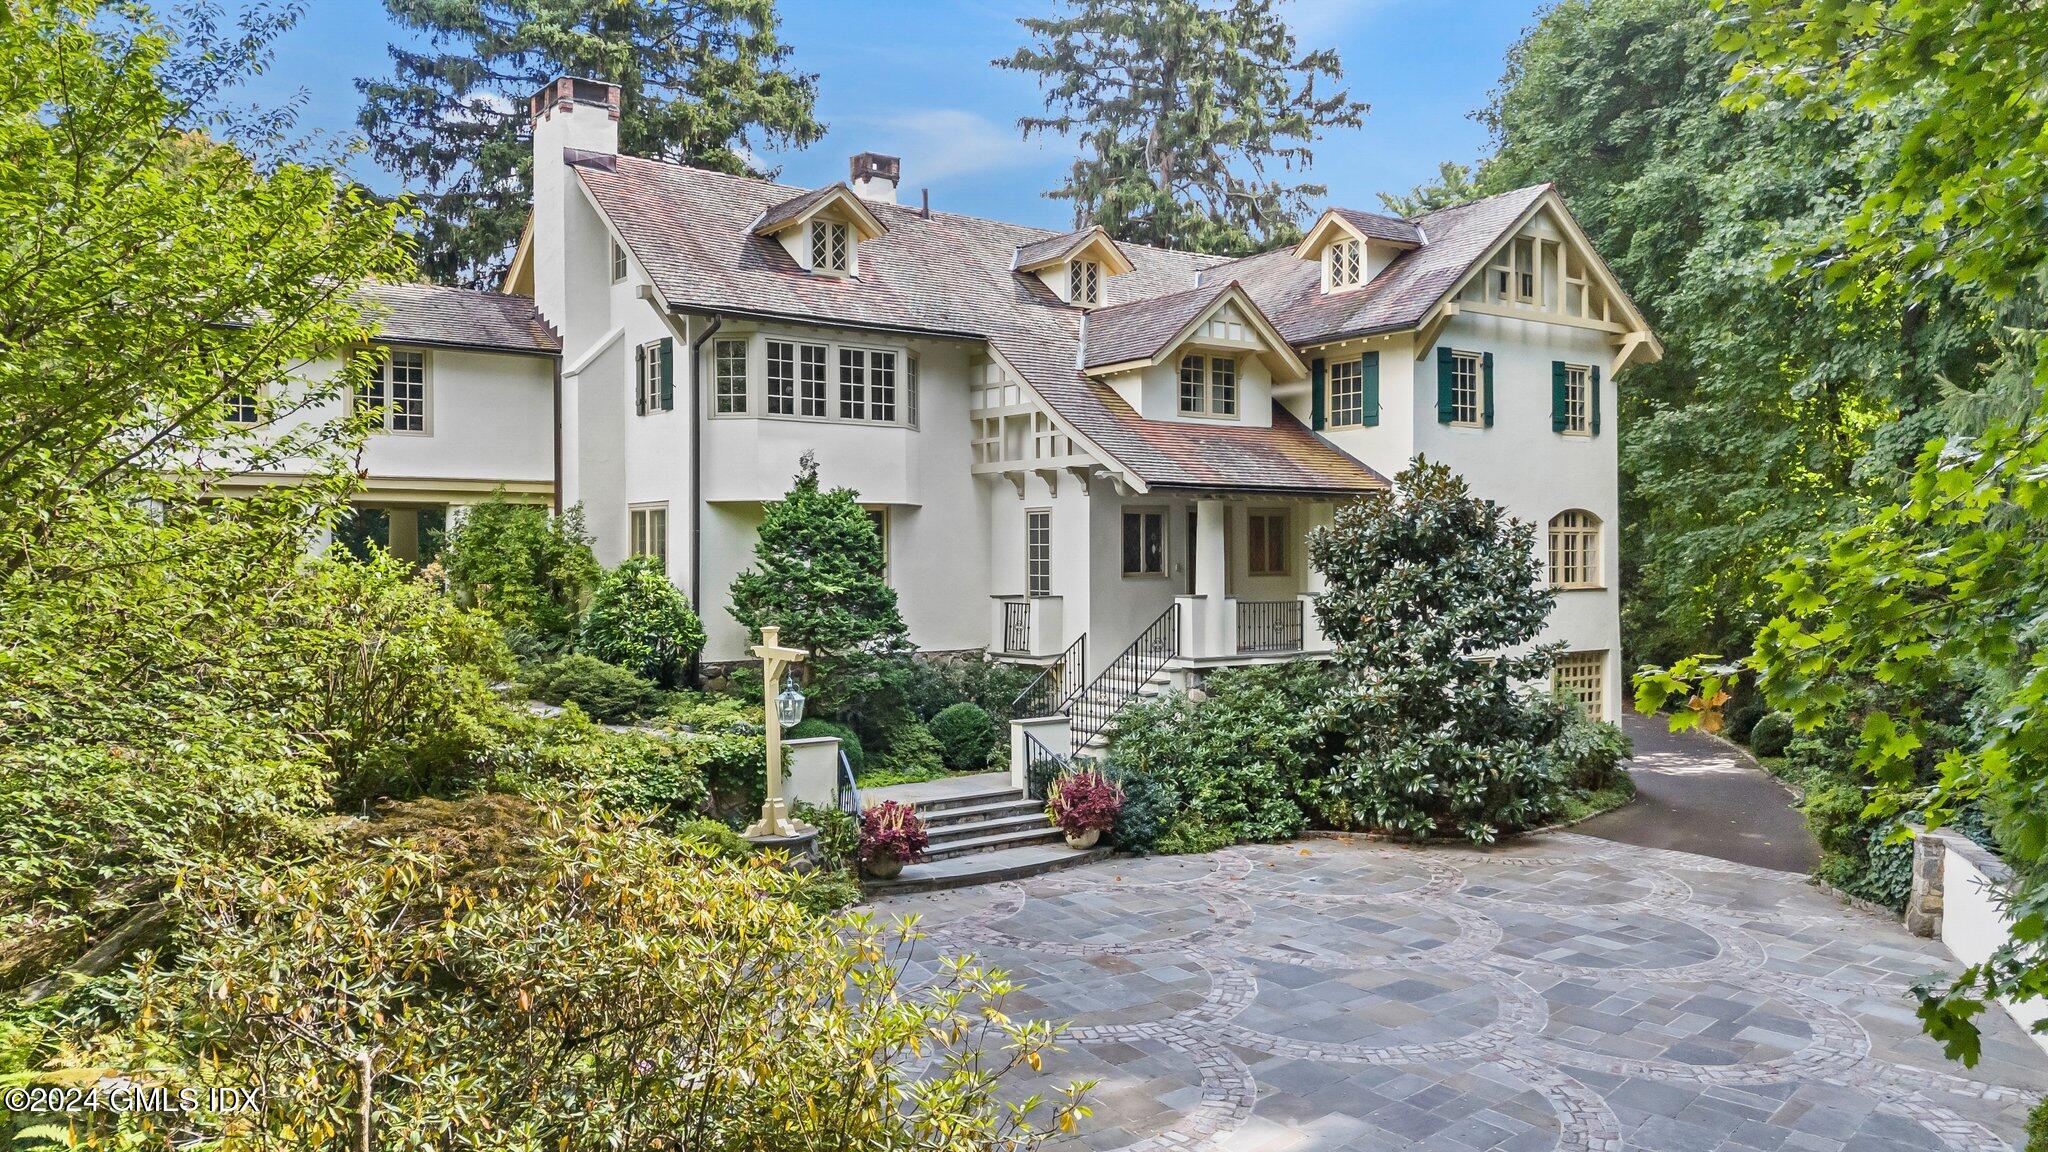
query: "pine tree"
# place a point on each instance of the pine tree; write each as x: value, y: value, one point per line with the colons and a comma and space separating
x: 700, y: 80
x: 1182, y: 108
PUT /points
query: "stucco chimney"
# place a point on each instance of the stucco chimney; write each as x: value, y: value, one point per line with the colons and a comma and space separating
x: 572, y: 112
x: 875, y: 177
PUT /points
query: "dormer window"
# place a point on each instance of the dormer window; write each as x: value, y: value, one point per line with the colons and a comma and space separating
x: 1084, y: 283
x: 1344, y: 265
x: 831, y: 247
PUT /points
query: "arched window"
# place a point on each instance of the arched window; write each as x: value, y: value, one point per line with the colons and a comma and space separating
x: 1575, y: 550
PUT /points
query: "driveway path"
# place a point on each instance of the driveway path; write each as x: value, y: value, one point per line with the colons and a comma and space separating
x: 1695, y: 794
x: 1562, y: 992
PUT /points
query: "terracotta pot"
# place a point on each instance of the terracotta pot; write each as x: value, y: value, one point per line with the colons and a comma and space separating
x: 882, y: 867
x: 1084, y: 839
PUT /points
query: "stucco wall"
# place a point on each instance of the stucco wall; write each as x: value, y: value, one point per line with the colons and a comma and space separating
x: 1972, y: 924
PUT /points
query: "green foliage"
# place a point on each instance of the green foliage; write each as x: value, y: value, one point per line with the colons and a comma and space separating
x: 699, y: 82
x: 718, y: 840
x: 1454, y: 185
x: 1228, y: 767
x: 967, y: 736
x: 2037, y: 1128
x: 1575, y: 806
x: 838, y: 834
x: 641, y: 621
x: 1742, y: 721
x: 849, y: 743
x: 1149, y: 806
x: 1182, y: 108
x: 1587, y: 752
x: 1771, y: 735
x: 935, y: 683
x: 911, y: 754
x: 579, y: 1002
x: 526, y: 569
x: 1189, y: 834
x: 817, y: 575
x: 605, y: 692
x: 1429, y: 734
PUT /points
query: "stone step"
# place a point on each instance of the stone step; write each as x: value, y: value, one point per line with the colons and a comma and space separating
x: 985, y: 868
x: 946, y: 817
x: 968, y: 800
x: 1045, y: 833
x: 945, y: 834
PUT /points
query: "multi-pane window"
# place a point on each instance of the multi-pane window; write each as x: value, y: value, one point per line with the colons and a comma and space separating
x: 241, y: 407
x: 810, y: 378
x: 1347, y: 393
x: 1266, y: 552
x: 1144, y: 543
x: 397, y: 390
x: 882, y: 386
x: 1038, y: 553
x: 1084, y: 282
x: 1575, y: 550
x: 1208, y: 385
x: 796, y: 379
x: 650, y: 533
x: 1584, y: 675
x: 647, y: 388
x: 1346, y: 263
x: 729, y: 376
x: 830, y: 246
x: 618, y: 262
x: 910, y: 392
x: 1578, y: 381
x: 1465, y: 387
x: 867, y: 384
x: 1525, y: 269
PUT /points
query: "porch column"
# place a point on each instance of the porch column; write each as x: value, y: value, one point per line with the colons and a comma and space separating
x: 1313, y: 583
x: 1212, y: 529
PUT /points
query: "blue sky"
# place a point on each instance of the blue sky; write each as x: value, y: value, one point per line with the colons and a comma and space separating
x: 913, y: 80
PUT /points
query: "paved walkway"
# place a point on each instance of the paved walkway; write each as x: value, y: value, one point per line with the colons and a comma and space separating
x: 1563, y: 992
x: 1696, y: 794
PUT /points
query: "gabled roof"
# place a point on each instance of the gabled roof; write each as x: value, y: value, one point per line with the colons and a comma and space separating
x: 1369, y: 226
x: 1147, y: 331
x: 458, y: 318
x: 1068, y: 245
x: 798, y: 210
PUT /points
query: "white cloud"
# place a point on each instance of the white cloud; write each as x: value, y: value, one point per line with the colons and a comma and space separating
x: 1318, y: 23
x: 942, y: 142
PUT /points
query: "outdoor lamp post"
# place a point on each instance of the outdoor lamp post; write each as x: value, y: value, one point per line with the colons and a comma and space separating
x: 780, y: 711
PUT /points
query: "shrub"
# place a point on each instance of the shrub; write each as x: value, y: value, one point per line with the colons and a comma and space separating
x: 1834, y: 812
x: 1743, y: 720
x: 838, y: 833
x: 605, y: 692
x: 639, y: 620
x: 1082, y: 801
x: 932, y: 684
x: 1430, y: 740
x: 1588, y: 752
x: 848, y: 742
x: 1772, y: 735
x: 2037, y: 1128
x: 640, y: 771
x: 1148, y: 805
x: 967, y: 736
x: 911, y: 754
x: 697, y: 712
x: 892, y: 831
x: 529, y: 571
x: 716, y: 839
x: 1189, y: 834
x: 613, y: 989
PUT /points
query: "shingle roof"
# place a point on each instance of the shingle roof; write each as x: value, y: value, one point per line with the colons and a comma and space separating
x: 791, y: 208
x: 689, y: 229
x: 457, y: 317
x: 1058, y: 247
x: 1138, y: 330
x: 1374, y: 226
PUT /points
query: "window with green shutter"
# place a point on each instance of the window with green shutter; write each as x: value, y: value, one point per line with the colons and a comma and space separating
x: 1315, y: 395
x: 1446, y: 386
x: 1370, y: 365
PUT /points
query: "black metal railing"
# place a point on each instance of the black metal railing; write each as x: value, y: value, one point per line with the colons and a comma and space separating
x: 1098, y: 704
x: 1059, y: 683
x: 1017, y: 627
x: 1041, y: 765
x: 1265, y: 626
x: 849, y: 791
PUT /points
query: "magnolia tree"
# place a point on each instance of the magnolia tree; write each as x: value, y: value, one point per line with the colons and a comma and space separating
x: 1431, y: 733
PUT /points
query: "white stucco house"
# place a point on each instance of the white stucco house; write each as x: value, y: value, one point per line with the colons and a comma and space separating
x: 1080, y: 453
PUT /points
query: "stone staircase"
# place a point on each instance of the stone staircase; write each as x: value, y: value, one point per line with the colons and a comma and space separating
x: 1113, y: 697
x: 991, y: 833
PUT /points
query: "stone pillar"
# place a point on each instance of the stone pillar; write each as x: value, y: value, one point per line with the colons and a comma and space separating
x: 1923, y: 905
x: 1055, y: 732
x: 811, y: 770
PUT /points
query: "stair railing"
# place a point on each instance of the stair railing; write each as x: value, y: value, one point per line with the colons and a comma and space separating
x: 1041, y: 766
x: 1048, y: 693
x: 849, y: 791
x: 1098, y: 704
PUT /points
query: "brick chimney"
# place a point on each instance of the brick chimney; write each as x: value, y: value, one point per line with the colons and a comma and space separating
x: 875, y: 177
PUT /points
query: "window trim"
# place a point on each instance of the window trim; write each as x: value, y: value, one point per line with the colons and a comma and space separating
x: 1477, y: 360
x: 646, y: 514
x: 1597, y: 707
x: 1581, y: 377
x: 618, y: 261
x: 1343, y: 264
x: 1142, y: 512
x: 233, y: 402
x: 1335, y: 417
x: 1207, y: 385
x: 823, y: 236
x: 1286, y: 542
x: 1031, y: 584
x: 1590, y: 533
x: 426, y: 427
x: 719, y: 394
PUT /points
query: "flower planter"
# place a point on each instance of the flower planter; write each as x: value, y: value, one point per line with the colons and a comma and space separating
x: 882, y: 868
x: 1084, y: 839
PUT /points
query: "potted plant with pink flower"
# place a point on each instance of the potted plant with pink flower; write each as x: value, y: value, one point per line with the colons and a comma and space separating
x: 1084, y: 804
x: 892, y: 834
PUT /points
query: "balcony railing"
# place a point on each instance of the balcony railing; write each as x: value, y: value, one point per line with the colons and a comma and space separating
x: 1017, y: 627
x: 1266, y: 627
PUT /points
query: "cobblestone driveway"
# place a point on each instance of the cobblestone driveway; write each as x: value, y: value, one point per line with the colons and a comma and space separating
x: 1565, y: 993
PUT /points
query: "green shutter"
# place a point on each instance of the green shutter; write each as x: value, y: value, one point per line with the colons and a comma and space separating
x: 1446, y: 407
x: 668, y: 374
x: 1559, y: 375
x: 1593, y: 399
x: 639, y: 374
x: 1315, y: 394
x: 1370, y: 367
x: 1486, y: 417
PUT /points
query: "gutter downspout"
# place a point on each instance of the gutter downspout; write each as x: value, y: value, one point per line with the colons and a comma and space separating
x: 558, y: 434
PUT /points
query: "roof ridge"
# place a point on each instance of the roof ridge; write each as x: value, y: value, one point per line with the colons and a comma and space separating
x: 1482, y: 200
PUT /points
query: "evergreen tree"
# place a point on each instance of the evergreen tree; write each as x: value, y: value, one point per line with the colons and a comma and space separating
x: 818, y: 575
x: 1183, y: 107
x: 701, y: 80
x: 1433, y: 598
